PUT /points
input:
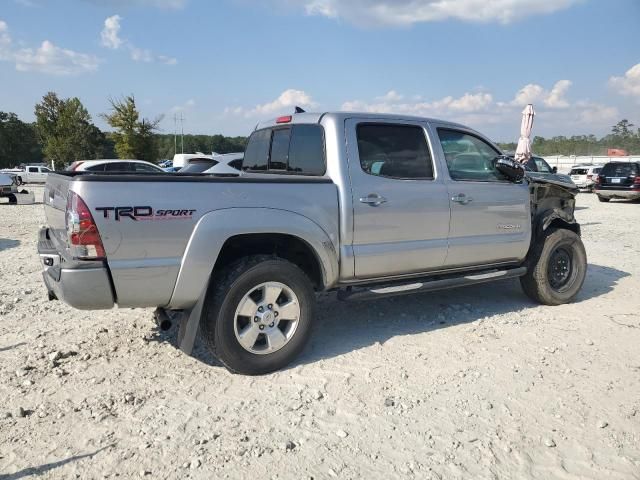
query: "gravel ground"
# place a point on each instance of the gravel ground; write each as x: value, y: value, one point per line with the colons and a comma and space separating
x: 472, y: 383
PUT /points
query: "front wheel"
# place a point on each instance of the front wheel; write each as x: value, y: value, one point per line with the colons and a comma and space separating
x: 258, y: 314
x: 557, y: 267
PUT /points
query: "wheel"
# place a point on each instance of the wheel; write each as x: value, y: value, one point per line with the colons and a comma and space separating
x: 258, y: 314
x: 557, y: 267
x: 603, y: 199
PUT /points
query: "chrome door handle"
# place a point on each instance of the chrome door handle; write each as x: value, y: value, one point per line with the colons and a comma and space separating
x: 373, y: 199
x: 462, y: 199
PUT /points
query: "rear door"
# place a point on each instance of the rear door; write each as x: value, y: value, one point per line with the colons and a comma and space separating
x: 400, y: 206
x: 490, y: 216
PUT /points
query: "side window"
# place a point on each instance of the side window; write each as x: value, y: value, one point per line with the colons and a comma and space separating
x: 143, y: 167
x: 394, y: 151
x: 256, y: 156
x: 117, y: 167
x: 306, y: 152
x: 468, y: 157
x: 237, y: 164
x: 96, y: 168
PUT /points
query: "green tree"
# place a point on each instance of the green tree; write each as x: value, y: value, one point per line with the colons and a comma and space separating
x: 65, y: 130
x: 18, y: 142
x: 133, y: 138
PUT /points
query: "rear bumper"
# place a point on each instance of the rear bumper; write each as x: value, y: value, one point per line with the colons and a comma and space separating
x: 87, y: 288
x: 624, y: 194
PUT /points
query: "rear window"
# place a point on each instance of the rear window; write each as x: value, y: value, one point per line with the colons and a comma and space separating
x: 619, y: 169
x: 578, y: 171
x: 296, y: 149
x: 199, y: 165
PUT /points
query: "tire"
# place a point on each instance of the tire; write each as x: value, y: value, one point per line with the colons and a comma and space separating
x: 603, y: 199
x: 222, y: 325
x: 547, y: 281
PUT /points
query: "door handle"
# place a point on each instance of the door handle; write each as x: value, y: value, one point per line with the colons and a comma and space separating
x: 373, y: 199
x: 462, y: 199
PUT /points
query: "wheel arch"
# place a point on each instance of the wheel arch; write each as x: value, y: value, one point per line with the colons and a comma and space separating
x: 223, y: 235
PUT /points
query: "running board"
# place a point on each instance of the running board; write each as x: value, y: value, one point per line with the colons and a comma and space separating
x: 390, y: 290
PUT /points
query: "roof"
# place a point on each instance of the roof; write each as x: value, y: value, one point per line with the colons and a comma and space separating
x: 311, y: 117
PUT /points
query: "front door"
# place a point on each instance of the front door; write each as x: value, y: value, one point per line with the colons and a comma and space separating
x: 400, y: 204
x: 490, y: 215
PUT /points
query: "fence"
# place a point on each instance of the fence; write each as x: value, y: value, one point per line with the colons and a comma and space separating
x: 565, y: 163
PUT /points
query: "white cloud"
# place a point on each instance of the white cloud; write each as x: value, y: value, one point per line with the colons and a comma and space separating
x: 533, y: 93
x: 47, y: 58
x: 468, y: 103
x: 285, y: 103
x: 110, y: 38
x: 629, y: 83
x: 109, y: 34
x: 408, y: 12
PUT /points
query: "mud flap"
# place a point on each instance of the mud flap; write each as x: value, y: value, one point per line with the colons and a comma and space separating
x: 191, y: 319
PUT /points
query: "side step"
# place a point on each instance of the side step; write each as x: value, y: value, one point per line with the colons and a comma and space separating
x: 428, y: 285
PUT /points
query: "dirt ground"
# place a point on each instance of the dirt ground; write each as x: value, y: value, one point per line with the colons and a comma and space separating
x: 475, y: 383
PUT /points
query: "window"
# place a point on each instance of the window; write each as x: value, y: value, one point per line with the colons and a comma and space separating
x: 279, y: 158
x: 468, y: 157
x: 619, y: 169
x: 96, y: 168
x: 256, y: 157
x: 198, y: 165
x: 237, y: 164
x: 297, y: 149
x: 306, y: 152
x: 542, y: 166
x: 394, y: 151
x: 143, y: 167
x: 118, y: 167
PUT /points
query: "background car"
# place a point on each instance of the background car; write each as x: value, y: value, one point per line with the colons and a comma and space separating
x: 124, y: 166
x: 584, y: 176
x: 619, y: 180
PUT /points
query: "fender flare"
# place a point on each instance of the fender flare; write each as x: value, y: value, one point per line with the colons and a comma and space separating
x: 216, y: 227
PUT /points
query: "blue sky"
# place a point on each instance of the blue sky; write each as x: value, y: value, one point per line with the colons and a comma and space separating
x: 225, y: 64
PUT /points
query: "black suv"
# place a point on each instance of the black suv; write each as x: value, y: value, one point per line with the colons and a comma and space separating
x: 618, y: 180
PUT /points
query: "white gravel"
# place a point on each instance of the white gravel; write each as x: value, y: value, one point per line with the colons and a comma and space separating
x: 476, y: 383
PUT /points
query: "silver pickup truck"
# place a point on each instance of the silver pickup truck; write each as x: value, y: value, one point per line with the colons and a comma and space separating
x: 368, y: 205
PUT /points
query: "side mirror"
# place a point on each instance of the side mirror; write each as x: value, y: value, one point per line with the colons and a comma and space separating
x: 554, y: 170
x: 511, y: 169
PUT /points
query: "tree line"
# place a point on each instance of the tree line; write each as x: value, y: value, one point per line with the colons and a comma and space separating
x: 64, y: 132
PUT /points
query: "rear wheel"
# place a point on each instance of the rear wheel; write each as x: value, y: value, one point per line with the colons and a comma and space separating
x: 557, y: 268
x: 603, y: 199
x: 258, y: 314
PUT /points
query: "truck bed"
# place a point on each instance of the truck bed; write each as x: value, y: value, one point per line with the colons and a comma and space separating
x: 147, y: 221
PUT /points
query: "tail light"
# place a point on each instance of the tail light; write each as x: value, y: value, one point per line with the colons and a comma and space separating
x: 84, y: 238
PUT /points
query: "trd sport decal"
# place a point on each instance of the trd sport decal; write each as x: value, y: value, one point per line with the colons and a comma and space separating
x: 144, y: 213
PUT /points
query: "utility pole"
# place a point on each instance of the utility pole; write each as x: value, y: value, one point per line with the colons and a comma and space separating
x: 175, y: 134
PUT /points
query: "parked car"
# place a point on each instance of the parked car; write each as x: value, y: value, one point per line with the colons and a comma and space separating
x: 216, y: 164
x: 584, y: 176
x: 124, y: 166
x: 539, y: 166
x: 618, y: 180
x: 368, y: 205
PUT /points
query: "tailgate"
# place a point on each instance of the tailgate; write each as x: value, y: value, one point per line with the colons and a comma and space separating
x: 55, y: 204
